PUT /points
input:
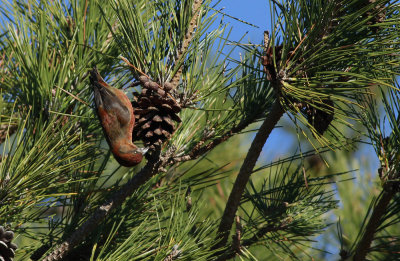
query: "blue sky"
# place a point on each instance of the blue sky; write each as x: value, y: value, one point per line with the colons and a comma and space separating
x: 256, y: 12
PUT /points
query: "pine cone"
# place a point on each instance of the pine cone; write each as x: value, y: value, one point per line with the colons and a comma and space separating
x: 268, y: 62
x: 155, y: 112
x: 7, y: 249
x: 320, y: 119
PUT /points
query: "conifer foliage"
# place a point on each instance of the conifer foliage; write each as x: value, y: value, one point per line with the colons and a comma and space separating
x: 325, y: 69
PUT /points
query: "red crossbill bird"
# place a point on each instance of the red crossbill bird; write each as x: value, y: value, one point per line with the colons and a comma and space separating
x: 115, y: 113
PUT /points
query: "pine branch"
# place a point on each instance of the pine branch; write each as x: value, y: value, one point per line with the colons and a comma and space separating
x: 186, y: 42
x: 380, y: 210
x: 104, y: 210
x: 245, y: 172
x: 236, y: 239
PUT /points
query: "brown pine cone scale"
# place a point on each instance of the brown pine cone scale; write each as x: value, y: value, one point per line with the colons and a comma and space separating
x: 7, y: 248
x: 155, y: 112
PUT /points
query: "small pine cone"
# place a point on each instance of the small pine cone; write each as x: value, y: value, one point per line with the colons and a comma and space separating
x: 7, y: 249
x: 321, y: 119
x: 155, y: 113
x: 268, y: 62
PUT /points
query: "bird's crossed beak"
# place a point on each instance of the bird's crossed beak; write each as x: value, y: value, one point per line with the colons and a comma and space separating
x: 143, y: 150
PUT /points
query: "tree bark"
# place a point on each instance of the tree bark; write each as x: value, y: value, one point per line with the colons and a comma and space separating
x: 245, y: 171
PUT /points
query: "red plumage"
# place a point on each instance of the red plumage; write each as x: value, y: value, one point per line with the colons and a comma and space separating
x: 117, y: 119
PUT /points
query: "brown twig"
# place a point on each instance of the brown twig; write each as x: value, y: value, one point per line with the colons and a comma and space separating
x: 104, y: 210
x: 237, y: 238
x: 84, y: 22
x: 73, y: 96
x: 380, y: 209
x: 186, y: 42
x: 254, y: 152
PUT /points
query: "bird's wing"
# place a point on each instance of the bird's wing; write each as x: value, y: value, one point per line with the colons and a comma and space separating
x: 111, y: 103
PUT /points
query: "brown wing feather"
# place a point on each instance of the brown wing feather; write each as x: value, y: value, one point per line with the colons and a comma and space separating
x: 103, y: 97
